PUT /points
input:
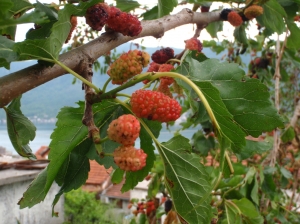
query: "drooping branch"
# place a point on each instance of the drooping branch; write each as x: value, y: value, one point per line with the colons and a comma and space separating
x: 29, y: 78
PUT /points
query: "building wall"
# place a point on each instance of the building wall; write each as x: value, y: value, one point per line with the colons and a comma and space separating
x: 41, y: 213
x: 138, y: 193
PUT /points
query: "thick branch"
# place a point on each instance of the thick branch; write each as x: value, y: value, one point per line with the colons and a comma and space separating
x: 24, y: 80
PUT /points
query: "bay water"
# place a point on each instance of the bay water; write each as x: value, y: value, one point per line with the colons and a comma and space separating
x: 45, y: 130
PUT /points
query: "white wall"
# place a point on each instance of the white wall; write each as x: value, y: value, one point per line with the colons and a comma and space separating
x: 10, y: 212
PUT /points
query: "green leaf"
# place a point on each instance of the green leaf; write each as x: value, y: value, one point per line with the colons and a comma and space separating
x: 287, y: 2
x: 240, y: 34
x: 214, y: 28
x: 20, y: 6
x: 291, y: 9
x: 142, y: 218
x: 201, y: 144
x: 35, y: 192
x: 70, y: 132
x: 248, y: 100
x: 186, y: 180
x: 225, y: 120
x: 44, y: 29
x: 291, y: 54
x: 230, y: 182
x: 102, y: 121
x: 272, y: 18
x: 154, y: 185
x: 248, y: 211
x: 151, y: 14
x: 20, y: 129
x: 74, y: 171
x: 269, y: 186
x: 286, y: 173
x: 165, y: 7
x: 254, y: 147
x: 33, y: 17
x: 232, y: 213
x: 250, y: 175
x: 49, y: 48
x: 133, y: 178
x: 127, y: 5
x: 7, y: 55
x: 254, y: 192
x: 293, y: 40
x: 288, y: 135
x: 117, y: 176
x: 5, y: 5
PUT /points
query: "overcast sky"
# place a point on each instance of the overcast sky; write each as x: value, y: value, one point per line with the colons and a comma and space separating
x: 173, y: 38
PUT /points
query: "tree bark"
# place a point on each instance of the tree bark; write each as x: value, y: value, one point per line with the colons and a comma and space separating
x: 17, y: 83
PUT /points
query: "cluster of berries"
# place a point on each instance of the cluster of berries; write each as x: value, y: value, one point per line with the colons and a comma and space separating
x: 149, y: 207
x: 154, y: 105
x: 125, y: 130
x: 193, y: 44
x: 101, y: 14
x: 160, y: 57
x: 128, y: 65
x: 144, y: 207
x: 237, y: 19
x: 129, y: 158
x: 159, y: 60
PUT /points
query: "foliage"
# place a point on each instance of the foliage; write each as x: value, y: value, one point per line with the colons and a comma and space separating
x: 83, y: 207
x: 243, y: 158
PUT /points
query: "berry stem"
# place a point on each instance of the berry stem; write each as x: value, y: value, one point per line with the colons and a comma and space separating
x: 99, y: 148
x: 97, y: 90
x: 195, y: 88
x: 112, y: 93
x: 106, y: 84
x: 104, y: 140
x: 123, y: 94
x: 174, y: 60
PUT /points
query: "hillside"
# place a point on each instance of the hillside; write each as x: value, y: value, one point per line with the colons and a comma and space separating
x: 46, y: 100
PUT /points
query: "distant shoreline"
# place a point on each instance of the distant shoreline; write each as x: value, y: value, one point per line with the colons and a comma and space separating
x: 35, y: 121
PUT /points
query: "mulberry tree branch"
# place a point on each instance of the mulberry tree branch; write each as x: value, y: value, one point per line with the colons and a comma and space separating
x: 17, y: 83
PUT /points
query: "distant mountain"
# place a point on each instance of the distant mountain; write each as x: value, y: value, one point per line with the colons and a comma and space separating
x: 46, y: 100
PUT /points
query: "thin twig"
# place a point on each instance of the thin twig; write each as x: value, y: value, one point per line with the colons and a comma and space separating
x: 277, y: 76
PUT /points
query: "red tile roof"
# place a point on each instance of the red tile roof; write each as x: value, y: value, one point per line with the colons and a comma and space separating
x: 98, y: 174
x: 114, y: 191
x: 42, y: 153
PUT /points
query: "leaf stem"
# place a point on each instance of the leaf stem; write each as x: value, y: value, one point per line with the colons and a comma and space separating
x: 234, y: 205
x: 106, y: 84
x: 110, y: 94
x: 195, y: 88
x: 97, y: 90
x: 104, y: 140
x: 123, y: 94
x: 229, y: 162
x: 216, y: 184
x: 233, y: 188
